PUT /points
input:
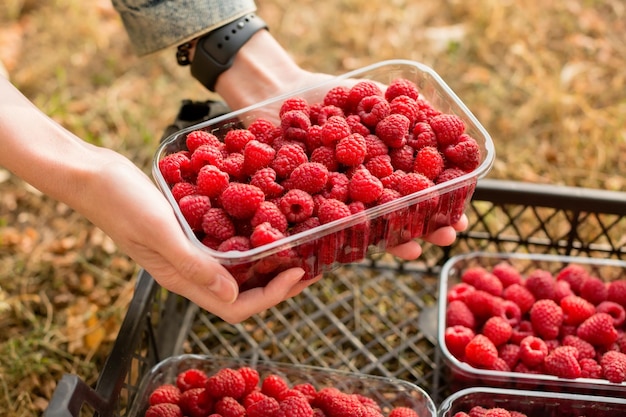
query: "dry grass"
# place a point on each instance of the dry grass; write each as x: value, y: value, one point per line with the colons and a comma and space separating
x: 546, y: 79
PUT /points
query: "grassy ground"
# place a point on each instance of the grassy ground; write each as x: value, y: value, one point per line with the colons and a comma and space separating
x: 546, y: 79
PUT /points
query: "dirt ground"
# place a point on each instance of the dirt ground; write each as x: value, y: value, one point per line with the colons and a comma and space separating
x: 546, y: 79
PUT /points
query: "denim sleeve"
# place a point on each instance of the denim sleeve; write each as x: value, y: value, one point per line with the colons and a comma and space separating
x: 153, y: 25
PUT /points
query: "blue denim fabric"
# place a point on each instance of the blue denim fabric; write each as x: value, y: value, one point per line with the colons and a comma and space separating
x: 153, y: 25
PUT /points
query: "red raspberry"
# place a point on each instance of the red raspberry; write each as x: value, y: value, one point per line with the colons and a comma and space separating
x: 270, y: 212
x: 164, y: 394
x: 211, y: 181
x: 510, y: 353
x: 394, y: 130
x: 218, y: 224
x: 233, y: 166
x: 342, y: 405
x: 481, y: 279
x: 498, y: 412
x: 574, y: 274
x: 251, y: 378
x: 265, y: 179
x: 206, y: 155
x: 331, y: 210
x: 576, y: 309
x: 447, y: 128
x: 616, y: 292
x: 360, y: 90
x: 465, y: 154
x: 308, y: 390
x: 253, y: 396
x: 520, y: 295
x: 522, y: 330
x: 265, y: 407
x: 427, y: 111
x: 561, y: 290
x: 375, y: 147
x: 546, y: 317
x: 263, y: 130
x: 193, y: 208
x: 335, y: 129
x: 456, y: 338
x: 265, y: 234
x: 614, y: 310
x: 364, y: 186
x: 196, y: 402
x: 294, y: 103
x: 428, y: 162
x: 236, y: 139
x: 350, y: 151
x: 388, y: 195
x: 325, y: 155
x: 175, y: 167
x: 405, y: 106
x: 483, y: 304
x: 310, y: 177
x: 478, y: 411
x: 308, y: 224
x: 613, y: 365
x: 590, y: 368
x: 274, y: 385
x: 461, y: 414
x: 594, y: 290
x: 598, y: 330
x: 401, y: 87
x: 197, y: 138
x: 533, y: 350
x: 541, y: 283
x: 403, y: 158
x: 241, y: 201
x: 181, y: 189
x: 413, y: 183
x: 459, y: 291
x: 297, y: 205
x: 498, y: 330
x: 229, y: 407
x: 563, y: 362
x: 507, y: 274
x: 380, y: 166
x: 337, y: 96
x: 295, y: 406
x: 164, y: 410
x: 422, y: 135
x: 403, y: 412
x: 257, y: 155
x: 481, y: 352
x: 337, y: 186
x: 294, y: 125
x: 585, y: 349
x: 313, y: 138
x: 393, y: 181
x: 288, y: 157
x: 236, y: 243
x: 459, y: 314
x: 226, y: 382
x: 354, y: 121
x: 326, y: 112
x: 373, y: 109
x: 510, y: 312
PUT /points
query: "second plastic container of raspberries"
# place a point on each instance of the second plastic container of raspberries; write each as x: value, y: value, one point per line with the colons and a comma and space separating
x: 326, y: 175
x: 534, y: 321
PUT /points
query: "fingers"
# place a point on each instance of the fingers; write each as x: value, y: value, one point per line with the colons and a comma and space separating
x: 409, y: 250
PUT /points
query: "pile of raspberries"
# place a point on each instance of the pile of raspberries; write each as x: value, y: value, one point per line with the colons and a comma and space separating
x: 570, y: 324
x: 241, y: 392
x: 360, y: 147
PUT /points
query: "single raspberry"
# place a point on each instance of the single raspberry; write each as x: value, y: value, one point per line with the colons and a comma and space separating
x: 576, y: 309
x: 308, y: 224
x: 401, y: 87
x: 520, y: 295
x: 498, y: 412
x: 297, y: 205
x: 342, y: 405
x: 175, y: 167
x: 350, y: 151
x: 616, y: 292
x: 510, y: 353
x: 483, y: 304
x: 164, y: 394
x: 337, y: 186
x: 164, y: 410
x: 613, y: 365
x: 196, y: 402
x: 405, y: 106
x: 229, y: 407
x: 481, y: 279
x: 574, y: 274
x: 265, y: 180
x: 427, y: 111
x: 294, y: 103
x: 562, y: 289
x: 271, y: 213
x: 201, y: 137
x: 461, y: 414
x: 563, y: 362
x: 310, y: 177
x: 253, y: 396
x: 447, y: 128
x: 598, y: 330
x: 422, y: 135
x: 193, y: 208
x: 206, y: 155
x: 257, y: 155
x: 459, y: 291
x: 360, y: 90
x: 590, y: 368
x: 294, y: 125
x: 226, y: 382
x: 380, y: 166
x: 313, y: 138
x: 265, y: 407
x: 182, y: 189
x: 233, y: 166
x: 585, y: 349
x: 393, y: 181
x: 263, y: 130
x: 459, y: 314
x: 375, y: 147
x: 456, y: 338
x: 236, y: 139
x: 522, y: 330
x: 295, y: 406
x: 541, y: 283
x: 336, y: 96
x: 428, y: 162
x: 498, y: 330
x: 478, y: 411
x: 393, y: 130
x: 364, y: 186
x: 218, y: 224
x: 335, y: 129
x: 481, y: 352
x: 331, y: 210
x: 614, y: 310
x: 274, y: 385
x: 413, y: 183
x: 373, y: 109
x: 211, y: 181
x: 533, y: 350
x: 354, y: 121
x: 510, y: 312
x: 325, y: 112
x: 465, y: 154
x: 507, y: 274
x: 546, y: 317
x: 288, y: 157
x: 241, y: 201
x: 403, y: 158
x: 250, y: 377
x: 403, y: 412
x: 235, y: 243
x: 265, y: 234
x: 325, y: 155
x: 594, y: 290
x: 388, y: 195
x: 307, y: 389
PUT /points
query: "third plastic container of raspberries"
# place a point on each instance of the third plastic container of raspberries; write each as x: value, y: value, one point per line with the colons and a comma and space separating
x: 320, y: 246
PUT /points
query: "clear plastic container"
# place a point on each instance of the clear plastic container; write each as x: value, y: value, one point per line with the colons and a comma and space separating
x: 387, y: 392
x: 351, y: 238
x: 533, y: 403
x: 464, y: 375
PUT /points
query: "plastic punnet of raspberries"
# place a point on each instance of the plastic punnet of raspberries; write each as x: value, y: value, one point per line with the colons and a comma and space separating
x: 363, y: 144
x: 560, y: 326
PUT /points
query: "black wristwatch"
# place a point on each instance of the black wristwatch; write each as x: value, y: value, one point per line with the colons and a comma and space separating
x: 215, y: 51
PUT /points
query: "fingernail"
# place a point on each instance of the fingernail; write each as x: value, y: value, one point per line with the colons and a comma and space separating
x: 225, y: 289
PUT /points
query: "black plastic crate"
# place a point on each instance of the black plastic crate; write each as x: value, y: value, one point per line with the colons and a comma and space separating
x: 355, y: 319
